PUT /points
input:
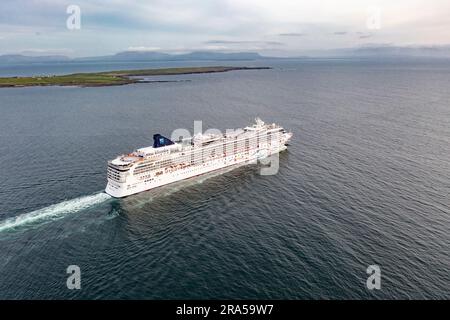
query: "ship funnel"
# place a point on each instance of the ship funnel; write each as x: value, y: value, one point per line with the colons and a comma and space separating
x: 161, y: 141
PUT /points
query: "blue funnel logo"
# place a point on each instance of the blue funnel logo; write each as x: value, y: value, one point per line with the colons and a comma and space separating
x: 161, y: 141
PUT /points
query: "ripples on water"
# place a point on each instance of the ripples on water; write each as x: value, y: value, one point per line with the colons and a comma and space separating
x: 365, y: 181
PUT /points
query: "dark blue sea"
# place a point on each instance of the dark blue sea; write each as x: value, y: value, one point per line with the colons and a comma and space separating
x: 365, y: 181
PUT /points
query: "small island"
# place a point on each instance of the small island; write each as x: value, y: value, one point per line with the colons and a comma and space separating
x: 110, y: 78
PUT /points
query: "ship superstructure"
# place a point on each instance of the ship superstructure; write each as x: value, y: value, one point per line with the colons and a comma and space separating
x: 166, y: 161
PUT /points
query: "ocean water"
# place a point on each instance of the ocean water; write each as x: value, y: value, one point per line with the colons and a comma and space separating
x: 365, y: 181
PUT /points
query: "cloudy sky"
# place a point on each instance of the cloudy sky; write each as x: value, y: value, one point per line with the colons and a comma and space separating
x: 270, y: 27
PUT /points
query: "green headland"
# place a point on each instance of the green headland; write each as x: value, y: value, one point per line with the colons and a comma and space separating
x: 109, y: 78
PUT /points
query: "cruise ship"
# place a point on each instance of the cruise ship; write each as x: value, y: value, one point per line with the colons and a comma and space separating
x: 167, y: 161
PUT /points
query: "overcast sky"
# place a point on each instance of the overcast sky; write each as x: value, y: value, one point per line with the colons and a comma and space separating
x: 277, y: 27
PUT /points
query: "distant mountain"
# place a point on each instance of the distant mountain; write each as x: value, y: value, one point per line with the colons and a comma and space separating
x: 135, y: 56
x: 386, y: 51
x: 369, y: 51
x: 395, y: 51
x: 140, y: 56
x: 18, y: 58
x: 159, y: 56
x: 211, y: 55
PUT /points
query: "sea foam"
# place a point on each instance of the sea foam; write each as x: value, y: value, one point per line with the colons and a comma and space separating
x: 54, y: 211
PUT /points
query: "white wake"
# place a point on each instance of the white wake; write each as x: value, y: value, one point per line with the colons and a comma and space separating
x: 55, y: 210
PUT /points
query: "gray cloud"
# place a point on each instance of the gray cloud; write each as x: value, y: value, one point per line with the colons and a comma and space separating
x: 292, y: 34
x: 296, y: 26
x: 43, y: 52
x: 378, y: 45
x: 365, y: 35
x: 240, y: 42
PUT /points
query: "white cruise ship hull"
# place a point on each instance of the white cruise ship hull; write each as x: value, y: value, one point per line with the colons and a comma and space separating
x: 133, y: 186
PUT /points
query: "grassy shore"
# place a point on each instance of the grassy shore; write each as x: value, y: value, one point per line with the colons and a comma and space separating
x: 109, y: 78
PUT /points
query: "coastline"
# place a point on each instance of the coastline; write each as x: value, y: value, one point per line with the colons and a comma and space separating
x: 111, y: 78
